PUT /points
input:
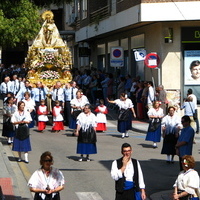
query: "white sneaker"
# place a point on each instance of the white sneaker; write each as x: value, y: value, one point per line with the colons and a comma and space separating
x: 126, y: 135
x: 123, y: 135
x: 80, y: 160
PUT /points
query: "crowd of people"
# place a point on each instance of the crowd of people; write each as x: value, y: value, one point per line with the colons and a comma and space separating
x: 82, y: 106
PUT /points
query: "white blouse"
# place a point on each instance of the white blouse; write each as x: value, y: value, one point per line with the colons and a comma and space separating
x: 85, y: 121
x: 188, y: 181
x: 171, y: 123
x: 79, y: 102
x: 40, y: 180
x: 17, y: 117
x: 156, y: 113
x: 124, y: 104
x: 29, y: 105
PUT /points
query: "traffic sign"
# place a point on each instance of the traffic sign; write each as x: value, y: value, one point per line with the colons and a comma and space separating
x: 117, y: 57
x: 152, y: 60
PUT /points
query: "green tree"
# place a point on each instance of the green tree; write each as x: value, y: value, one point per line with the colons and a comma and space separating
x: 19, y: 22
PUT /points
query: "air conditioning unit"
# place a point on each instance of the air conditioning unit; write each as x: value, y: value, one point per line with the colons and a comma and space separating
x: 72, y: 19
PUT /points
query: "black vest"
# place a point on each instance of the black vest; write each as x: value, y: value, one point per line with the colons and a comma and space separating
x: 119, y: 185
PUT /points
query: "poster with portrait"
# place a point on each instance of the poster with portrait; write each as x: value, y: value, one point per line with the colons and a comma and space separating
x: 192, y: 67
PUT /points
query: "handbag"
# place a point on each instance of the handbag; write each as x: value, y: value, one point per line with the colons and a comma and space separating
x: 22, y: 132
x: 75, y: 113
x: 47, y: 197
x: 123, y: 114
x: 154, y: 124
x: 7, y: 127
x: 194, y: 113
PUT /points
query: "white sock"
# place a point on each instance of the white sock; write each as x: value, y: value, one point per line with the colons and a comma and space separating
x: 123, y: 134
x: 168, y: 157
x: 26, y: 156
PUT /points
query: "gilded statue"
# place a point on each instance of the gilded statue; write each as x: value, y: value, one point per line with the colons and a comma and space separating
x: 49, y: 58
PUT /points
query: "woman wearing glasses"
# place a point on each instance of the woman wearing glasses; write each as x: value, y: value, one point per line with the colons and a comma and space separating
x: 47, y: 181
x: 187, y: 183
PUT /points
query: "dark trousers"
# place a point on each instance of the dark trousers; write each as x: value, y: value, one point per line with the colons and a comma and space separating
x: 197, y: 122
x: 180, y: 163
x: 125, y: 195
x: 67, y: 112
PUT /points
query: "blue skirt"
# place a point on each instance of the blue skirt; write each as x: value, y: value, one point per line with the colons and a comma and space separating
x: 32, y: 123
x: 154, y: 136
x: 124, y: 126
x: 21, y: 145
x: 72, y: 123
x: 86, y: 148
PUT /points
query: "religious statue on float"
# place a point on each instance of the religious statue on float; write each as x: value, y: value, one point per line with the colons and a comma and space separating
x: 49, y: 59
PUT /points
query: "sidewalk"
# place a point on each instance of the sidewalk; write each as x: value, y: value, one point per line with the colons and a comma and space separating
x: 13, y: 187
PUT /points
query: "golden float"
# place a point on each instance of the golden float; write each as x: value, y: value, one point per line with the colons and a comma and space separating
x: 48, y: 59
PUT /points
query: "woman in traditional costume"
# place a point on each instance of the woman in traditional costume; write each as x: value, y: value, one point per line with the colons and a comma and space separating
x: 86, y: 132
x: 47, y: 181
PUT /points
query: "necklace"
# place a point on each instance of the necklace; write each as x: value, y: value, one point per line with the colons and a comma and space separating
x: 47, y: 176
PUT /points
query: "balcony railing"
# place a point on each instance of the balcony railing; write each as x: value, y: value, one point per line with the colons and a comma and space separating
x: 99, y: 14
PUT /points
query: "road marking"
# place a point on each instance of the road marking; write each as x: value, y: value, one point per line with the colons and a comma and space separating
x: 88, y: 196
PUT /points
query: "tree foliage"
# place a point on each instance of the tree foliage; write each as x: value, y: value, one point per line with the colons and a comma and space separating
x: 19, y: 22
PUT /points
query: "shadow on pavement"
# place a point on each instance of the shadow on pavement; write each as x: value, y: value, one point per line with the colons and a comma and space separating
x: 146, y: 145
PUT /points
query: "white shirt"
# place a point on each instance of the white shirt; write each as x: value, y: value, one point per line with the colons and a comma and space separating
x: 194, y: 100
x: 59, y: 93
x: 116, y: 173
x: 6, y: 87
x: 151, y: 95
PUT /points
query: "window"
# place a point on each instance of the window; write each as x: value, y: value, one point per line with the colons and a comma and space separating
x: 84, y: 9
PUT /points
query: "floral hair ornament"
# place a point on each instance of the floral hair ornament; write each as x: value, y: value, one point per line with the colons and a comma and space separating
x: 185, y: 162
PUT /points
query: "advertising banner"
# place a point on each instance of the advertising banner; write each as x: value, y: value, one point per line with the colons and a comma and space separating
x: 192, y: 67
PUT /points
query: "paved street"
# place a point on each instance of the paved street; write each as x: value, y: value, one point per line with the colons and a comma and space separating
x: 91, y: 180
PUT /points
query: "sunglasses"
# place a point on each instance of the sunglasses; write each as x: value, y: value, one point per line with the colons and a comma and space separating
x: 47, y: 160
x: 125, y: 151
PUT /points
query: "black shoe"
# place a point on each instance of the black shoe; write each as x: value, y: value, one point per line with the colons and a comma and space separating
x: 168, y: 162
x: 172, y: 162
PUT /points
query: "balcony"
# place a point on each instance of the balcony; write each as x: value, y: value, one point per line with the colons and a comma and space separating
x: 100, y: 14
